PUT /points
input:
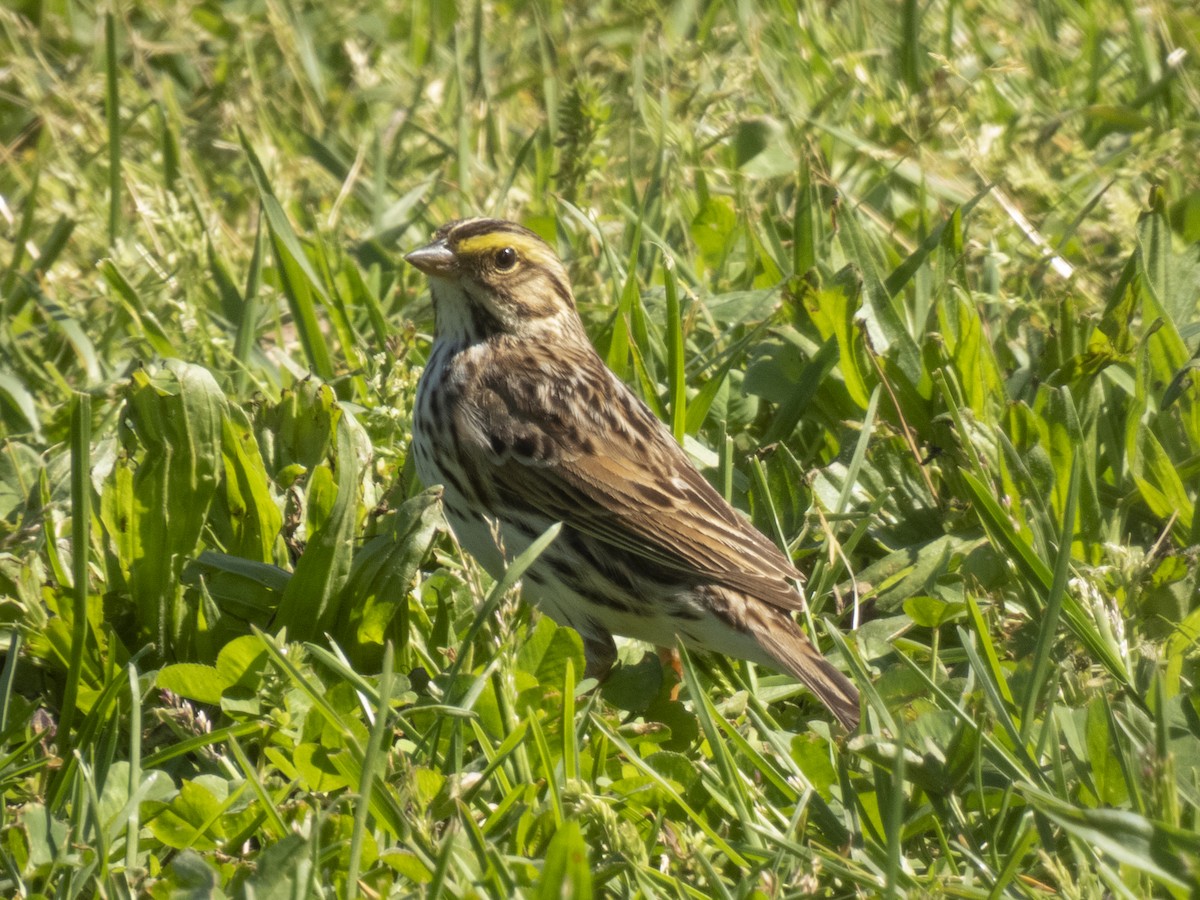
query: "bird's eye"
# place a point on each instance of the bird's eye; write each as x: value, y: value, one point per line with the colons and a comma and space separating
x: 506, y: 258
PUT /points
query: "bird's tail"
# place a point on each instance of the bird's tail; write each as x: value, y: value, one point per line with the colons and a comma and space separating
x: 793, y: 652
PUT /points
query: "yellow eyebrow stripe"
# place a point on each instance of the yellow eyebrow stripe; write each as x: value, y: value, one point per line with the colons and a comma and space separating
x: 531, y: 249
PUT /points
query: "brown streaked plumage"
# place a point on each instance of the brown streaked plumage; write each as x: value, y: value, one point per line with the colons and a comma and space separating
x: 524, y: 425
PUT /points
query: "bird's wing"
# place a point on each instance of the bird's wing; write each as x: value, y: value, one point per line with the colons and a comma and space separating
x: 632, y: 487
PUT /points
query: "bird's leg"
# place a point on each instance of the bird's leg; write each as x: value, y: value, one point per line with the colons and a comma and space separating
x: 669, y: 657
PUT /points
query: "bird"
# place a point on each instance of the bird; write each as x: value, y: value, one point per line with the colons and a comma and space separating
x: 523, y: 425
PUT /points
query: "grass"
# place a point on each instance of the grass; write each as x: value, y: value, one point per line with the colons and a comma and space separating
x: 916, y: 284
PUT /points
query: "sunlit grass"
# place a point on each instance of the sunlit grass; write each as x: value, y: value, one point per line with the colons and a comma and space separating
x: 916, y: 283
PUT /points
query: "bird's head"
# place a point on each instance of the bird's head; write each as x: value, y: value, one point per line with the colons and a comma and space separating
x: 490, y: 277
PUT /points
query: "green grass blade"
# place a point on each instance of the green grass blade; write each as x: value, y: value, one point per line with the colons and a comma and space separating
x: 112, y: 114
x: 81, y: 538
x: 133, y: 819
x: 566, y: 871
x: 676, y: 379
x: 266, y: 801
x: 550, y: 772
x: 735, y: 791
x: 372, y: 770
x: 1048, y: 625
x: 997, y: 524
x: 8, y: 677
x: 621, y: 337
x: 248, y: 322
x: 300, y: 283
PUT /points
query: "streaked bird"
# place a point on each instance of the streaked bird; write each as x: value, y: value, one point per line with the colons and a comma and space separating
x: 524, y: 426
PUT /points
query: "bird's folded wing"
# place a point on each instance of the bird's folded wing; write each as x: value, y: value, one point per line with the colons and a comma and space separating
x: 657, y: 508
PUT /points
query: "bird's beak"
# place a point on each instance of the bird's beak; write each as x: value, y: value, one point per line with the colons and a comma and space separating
x: 434, y: 259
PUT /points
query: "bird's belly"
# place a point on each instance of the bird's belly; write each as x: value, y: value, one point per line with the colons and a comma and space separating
x: 477, y: 533
x: 659, y: 617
